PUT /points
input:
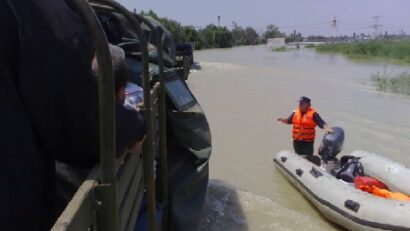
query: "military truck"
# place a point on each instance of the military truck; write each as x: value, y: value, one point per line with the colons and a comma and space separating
x: 170, y: 175
x: 184, y: 57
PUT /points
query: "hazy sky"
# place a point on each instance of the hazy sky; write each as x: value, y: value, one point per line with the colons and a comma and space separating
x: 307, y: 16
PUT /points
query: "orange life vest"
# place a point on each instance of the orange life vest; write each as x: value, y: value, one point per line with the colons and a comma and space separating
x: 390, y: 195
x: 304, y: 125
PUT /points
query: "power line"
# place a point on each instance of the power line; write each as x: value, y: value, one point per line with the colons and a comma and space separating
x: 334, y: 26
x: 305, y: 25
x: 376, y: 25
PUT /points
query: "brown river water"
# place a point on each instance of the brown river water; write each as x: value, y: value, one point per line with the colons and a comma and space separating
x: 244, y: 90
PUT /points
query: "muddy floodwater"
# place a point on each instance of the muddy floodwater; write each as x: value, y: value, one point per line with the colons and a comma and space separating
x: 244, y: 90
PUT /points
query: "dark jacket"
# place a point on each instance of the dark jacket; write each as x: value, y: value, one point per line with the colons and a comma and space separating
x: 49, y: 106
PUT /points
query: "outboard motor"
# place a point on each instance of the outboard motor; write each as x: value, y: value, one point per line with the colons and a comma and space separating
x: 332, y: 144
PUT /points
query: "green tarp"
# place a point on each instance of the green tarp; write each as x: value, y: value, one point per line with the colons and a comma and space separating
x: 189, y: 149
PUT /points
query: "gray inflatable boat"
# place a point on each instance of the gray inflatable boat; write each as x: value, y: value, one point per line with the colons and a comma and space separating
x: 341, y: 202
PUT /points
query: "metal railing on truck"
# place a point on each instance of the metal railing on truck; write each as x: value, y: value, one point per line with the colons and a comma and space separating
x: 111, y: 196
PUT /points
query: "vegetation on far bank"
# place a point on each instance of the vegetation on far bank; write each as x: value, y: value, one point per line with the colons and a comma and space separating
x: 279, y: 49
x: 384, y: 50
x: 394, y: 51
x: 310, y: 46
x: 212, y: 36
x: 399, y: 84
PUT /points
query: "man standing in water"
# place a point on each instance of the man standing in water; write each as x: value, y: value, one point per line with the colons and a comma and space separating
x: 304, y: 119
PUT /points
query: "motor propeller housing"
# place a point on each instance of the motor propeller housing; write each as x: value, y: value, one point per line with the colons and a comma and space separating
x: 332, y: 144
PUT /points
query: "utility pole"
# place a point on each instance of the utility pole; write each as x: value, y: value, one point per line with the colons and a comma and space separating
x: 334, y: 28
x: 376, y: 26
x: 219, y: 20
x: 234, y: 25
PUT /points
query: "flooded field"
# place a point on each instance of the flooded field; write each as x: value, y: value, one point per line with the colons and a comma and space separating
x: 244, y: 90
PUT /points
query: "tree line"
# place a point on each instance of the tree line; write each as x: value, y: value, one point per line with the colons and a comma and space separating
x: 213, y: 36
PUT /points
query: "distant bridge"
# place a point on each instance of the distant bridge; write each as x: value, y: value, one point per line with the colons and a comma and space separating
x: 304, y: 43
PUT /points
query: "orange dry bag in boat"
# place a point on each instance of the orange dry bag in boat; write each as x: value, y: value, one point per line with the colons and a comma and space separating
x: 377, y: 188
x: 367, y: 183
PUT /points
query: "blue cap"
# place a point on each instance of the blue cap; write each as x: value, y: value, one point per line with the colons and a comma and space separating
x: 304, y: 99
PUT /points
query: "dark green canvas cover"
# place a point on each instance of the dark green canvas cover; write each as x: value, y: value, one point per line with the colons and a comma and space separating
x: 189, y: 149
x: 188, y: 133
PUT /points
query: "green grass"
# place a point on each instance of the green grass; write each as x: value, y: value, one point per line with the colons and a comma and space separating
x: 392, y: 51
x: 279, y: 49
x: 310, y: 46
x: 399, y: 84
